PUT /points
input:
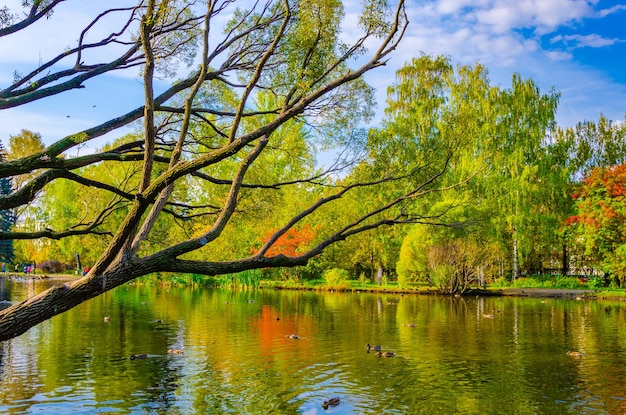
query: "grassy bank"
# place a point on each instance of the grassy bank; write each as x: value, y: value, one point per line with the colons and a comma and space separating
x: 254, y: 279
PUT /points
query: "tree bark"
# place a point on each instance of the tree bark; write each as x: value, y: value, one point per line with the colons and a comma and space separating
x: 515, y: 274
x: 565, y: 260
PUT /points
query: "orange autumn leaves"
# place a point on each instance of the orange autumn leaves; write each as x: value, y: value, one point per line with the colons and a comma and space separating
x: 292, y: 243
x: 600, y: 217
x: 601, y: 199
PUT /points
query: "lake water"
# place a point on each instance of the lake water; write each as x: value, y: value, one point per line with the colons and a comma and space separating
x: 452, y: 355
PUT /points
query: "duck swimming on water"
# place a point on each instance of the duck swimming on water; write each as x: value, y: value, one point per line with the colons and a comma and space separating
x: 369, y: 347
x: 331, y: 402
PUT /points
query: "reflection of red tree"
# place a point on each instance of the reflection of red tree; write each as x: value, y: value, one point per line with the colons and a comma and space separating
x: 291, y: 242
x: 273, y: 333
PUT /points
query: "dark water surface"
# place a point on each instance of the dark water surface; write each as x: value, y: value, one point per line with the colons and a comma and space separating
x: 453, y: 355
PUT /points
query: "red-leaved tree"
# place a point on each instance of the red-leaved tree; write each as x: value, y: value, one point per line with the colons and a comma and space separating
x: 599, y: 221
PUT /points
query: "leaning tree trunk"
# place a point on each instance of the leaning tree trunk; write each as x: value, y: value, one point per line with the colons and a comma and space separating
x: 61, y: 297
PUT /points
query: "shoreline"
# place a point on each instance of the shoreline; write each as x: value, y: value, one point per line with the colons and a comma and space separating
x: 562, y: 293
x: 499, y: 292
x: 549, y: 293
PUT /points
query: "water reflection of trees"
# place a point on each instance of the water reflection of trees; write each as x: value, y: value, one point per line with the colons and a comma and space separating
x: 451, y: 356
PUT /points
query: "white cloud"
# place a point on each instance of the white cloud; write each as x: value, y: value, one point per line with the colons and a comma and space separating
x: 455, y: 6
x: 505, y: 15
x: 558, y: 55
x: 541, y: 15
x: 461, y: 37
x: 611, y: 10
x: 579, y: 41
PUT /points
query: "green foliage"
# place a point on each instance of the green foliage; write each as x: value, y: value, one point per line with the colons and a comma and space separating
x: 191, y: 280
x: 26, y: 218
x: 450, y: 257
x: 244, y: 279
x: 413, y: 136
x: 525, y: 116
x: 595, y: 283
x: 413, y: 263
x: 444, y: 276
x: 435, y: 126
x: 23, y: 145
x: 551, y: 282
x: 292, y: 284
x: 574, y: 154
x: 595, y: 144
x: 441, y: 117
x: 337, y: 278
x: 556, y: 282
x: 500, y: 282
x: 363, y: 279
x: 375, y: 18
x: 178, y: 280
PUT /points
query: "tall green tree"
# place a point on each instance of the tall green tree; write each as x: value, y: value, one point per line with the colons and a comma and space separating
x: 494, y: 139
x: 596, y: 144
x: 525, y: 118
x: 438, y: 125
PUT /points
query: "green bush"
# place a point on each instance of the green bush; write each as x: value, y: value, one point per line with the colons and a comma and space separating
x: 572, y: 283
x: 337, y: 278
x: 595, y: 283
x: 363, y: 279
x: 544, y: 281
x: 501, y: 283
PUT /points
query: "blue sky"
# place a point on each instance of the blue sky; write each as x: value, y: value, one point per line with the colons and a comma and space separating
x: 576, y: 46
